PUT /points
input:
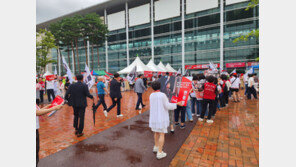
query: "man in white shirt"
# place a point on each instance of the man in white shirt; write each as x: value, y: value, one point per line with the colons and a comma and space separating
x: 251, y: 88
x: 50, y: 90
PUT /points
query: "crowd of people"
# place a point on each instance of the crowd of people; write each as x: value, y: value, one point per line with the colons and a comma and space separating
x: 208, y: 94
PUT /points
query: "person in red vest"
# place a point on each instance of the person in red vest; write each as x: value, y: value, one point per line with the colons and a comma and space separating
x: 210, y: 93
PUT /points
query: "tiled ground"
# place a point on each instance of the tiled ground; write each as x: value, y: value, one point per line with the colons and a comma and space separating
x: 232, y: 140
x: 57, y: 132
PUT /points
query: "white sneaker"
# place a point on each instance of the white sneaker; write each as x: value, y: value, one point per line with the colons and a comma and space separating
x: 210, y: 121
x: 105, y: 113
x: 197, y: 115
x: 161, y: 155
x: 192, y: 114
x: 120, y: 115
x: 200, y: 119
x: 155, y: 149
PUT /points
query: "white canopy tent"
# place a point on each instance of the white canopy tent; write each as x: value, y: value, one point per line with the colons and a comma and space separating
x: 47, y: 73
x: 162, y: 67
x: 170, y: 68
x: 141, y: 67
x: 154, y: 67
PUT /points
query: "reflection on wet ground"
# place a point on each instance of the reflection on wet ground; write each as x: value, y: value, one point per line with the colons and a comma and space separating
x: 232, y: 140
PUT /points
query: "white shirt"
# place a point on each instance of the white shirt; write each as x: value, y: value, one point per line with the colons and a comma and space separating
x: 50, y: 84
x: 251, y: 82
x: 235, y: 82
x: 246, y: 78
x: 37, y: 118
x: 159, y: 114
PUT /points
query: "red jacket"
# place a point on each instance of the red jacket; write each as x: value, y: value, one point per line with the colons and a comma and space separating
x: 209, y: 91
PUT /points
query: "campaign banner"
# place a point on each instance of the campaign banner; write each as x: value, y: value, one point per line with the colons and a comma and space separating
x: 56, y: 101
x: 50, y: 77
x: 148, y: 74
x: 235, y: 65
x: 183, y: 88
x: 201, y: 66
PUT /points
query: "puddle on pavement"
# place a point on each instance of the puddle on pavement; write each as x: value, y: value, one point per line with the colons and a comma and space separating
x: 137, y: 128
x: 133, y: 157
x: 140, y: 122
x: 80, y: 148
x: 116, y: 135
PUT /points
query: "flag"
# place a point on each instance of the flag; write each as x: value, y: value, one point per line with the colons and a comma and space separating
x: 69, y: 73
x: 132, y: 75
x: 179, y: 71
x: 88, y: 78
x: 56, y: 101
x: 212, y: 67
x: 250, y: 71
x: 234, y: 71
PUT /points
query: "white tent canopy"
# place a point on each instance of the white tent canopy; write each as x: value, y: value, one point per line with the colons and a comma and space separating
x: 141, y: 67
x: 162, y: 67
x: 170, y: 68
x: 47, y: 73
x: 153, y: 66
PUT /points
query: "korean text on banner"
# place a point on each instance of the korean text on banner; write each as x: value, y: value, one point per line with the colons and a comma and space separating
x: 183, y: 94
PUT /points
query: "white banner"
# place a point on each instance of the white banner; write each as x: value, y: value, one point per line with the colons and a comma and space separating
x: 69, y: 73
x: 88, y: 78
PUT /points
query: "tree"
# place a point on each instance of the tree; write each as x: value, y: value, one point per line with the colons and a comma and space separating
x: 45, y: 42
x: 254, y: 33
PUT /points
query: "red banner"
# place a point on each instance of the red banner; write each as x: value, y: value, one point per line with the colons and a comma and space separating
x: 148, y: 74
x: 235, y: 65
x: 252, y: 63
x: 185, y: 88
x: 50, y: 77
x: 200, y: 66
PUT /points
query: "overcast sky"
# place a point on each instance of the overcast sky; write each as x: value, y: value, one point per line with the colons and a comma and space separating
x: 50, y: 9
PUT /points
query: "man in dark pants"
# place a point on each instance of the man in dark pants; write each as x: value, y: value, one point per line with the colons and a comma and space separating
x: 78, y: 92
x: 139, y: 89
x: 49, y: 89
x: 101, y: 94
x: 115, y: 94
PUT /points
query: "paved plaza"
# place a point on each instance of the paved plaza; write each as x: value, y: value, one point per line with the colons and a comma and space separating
x: 232, y: 140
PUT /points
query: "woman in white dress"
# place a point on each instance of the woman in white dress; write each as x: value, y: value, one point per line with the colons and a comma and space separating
x: 159, y: 117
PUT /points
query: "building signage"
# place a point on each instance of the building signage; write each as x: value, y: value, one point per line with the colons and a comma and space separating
x: 200, y: 66
x: 235, y: 65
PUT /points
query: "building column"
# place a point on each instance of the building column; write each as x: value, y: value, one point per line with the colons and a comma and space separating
x: 88, y: 64
x: 183, y: 36
x: 106, y: 42
x: 152, y: 29
x: 126, y: 30
x: 221, y: 34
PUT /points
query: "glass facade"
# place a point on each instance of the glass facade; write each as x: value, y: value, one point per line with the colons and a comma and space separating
x: 202, y: 41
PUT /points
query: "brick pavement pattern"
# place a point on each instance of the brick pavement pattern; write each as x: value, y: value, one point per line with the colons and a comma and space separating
x: 232, y: 140
x: 57, y: 132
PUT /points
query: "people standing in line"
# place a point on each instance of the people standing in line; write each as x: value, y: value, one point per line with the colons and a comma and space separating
x: 159, y: 117
x: 115, y: 94
x: 139, y: 89
x: 193, y: 95
x: 251, y: 89
x: 235, y: 84
x: 188, y: 114
x: 40, y: 112
x: 216, y: 103
x: 42, y: 88
x: 102, y: 91
x: 210, y: 90
x: 50, y: 90
x: 228, y: 84
x: 78, y: 92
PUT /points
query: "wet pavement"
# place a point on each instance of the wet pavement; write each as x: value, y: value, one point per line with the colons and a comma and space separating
x: 232, y: 140
x: 57, y: 132
x: 127, y: 144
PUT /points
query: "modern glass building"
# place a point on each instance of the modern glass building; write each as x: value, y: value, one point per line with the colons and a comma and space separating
x: 185, y: 33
